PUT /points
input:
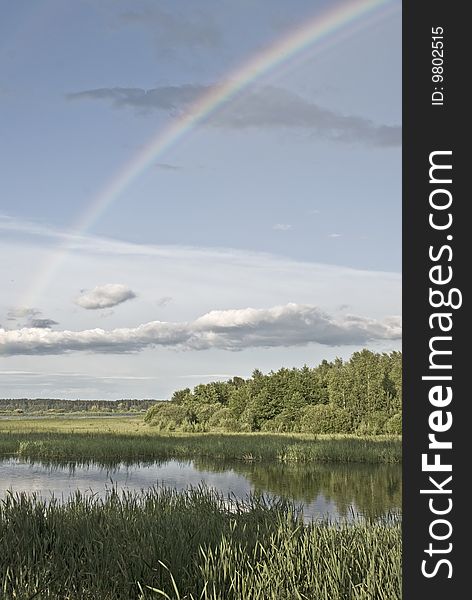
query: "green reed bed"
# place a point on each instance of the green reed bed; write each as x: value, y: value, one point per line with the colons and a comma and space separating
x: 109, y: 447
x: 188, y: 546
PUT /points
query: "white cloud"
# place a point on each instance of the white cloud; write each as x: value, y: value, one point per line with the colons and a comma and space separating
x: 198, y: 279
x: 212, y: 277
x: 279, y: 326
x: 105, y: 296
x: 281, y: 227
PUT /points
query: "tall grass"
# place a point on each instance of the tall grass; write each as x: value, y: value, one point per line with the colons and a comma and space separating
x: 189, y: 546
x: 109, y: 447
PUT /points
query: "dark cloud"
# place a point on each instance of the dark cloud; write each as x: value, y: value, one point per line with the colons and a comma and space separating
x: 264, y: 108
x: 280, y: 326
x: 272, y: 107
x: 168, y: 98
x: 42, y: 323
x: 167, y: 167
x: 164, y: 301
x: 31, y: 316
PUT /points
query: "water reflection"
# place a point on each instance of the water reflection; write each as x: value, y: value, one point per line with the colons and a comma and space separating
x: 325, y: 490
x: 372, y: 490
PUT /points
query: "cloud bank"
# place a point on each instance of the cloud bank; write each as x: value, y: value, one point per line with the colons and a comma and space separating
x: 282, y: 326
x: 264, y: 108
x: 105, y: 296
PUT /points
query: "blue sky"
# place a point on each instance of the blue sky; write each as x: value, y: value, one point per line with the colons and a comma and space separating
x: 289, y: 197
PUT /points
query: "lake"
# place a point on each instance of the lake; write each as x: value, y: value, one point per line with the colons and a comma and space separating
x: 324, y: 490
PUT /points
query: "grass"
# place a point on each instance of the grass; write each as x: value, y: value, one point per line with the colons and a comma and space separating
x: 126, y: 439
x: 189, y: 546
x: 74, y: 424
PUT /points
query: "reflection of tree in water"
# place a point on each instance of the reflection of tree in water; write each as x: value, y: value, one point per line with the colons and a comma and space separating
x: 373, y: 490
x: 110, y: 466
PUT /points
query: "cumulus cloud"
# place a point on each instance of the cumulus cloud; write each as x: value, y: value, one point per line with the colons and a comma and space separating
x: 105, y: 296
x: 279, y: 326
x: 264, y: 108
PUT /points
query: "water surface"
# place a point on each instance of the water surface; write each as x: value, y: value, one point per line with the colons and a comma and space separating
x: 323, y: 490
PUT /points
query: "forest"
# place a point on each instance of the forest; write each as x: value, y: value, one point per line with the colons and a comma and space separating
x: 362, y: 395
x: 60, y: 406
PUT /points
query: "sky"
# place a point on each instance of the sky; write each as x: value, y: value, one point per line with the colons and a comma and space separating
x: 266, y: 233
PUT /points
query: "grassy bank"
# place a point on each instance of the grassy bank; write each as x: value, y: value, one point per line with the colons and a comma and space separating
x: 189, y: 546
x: 128, y: 440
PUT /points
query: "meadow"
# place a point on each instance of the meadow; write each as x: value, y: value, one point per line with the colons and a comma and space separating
x: 189, y: 546
x: 128, y: 439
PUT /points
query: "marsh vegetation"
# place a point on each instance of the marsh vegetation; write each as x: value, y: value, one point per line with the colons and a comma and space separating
x: 190, y: 545
x: 132, y: 447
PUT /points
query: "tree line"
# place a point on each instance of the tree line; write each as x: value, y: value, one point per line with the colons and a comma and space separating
x: 57, y: 405
x: 361, y: 395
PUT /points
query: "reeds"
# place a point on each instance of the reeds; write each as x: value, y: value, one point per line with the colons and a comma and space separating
x: 193, y: 545
x: 109, y: 447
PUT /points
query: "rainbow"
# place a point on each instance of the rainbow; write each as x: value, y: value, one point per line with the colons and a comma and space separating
x: 322, y: 26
